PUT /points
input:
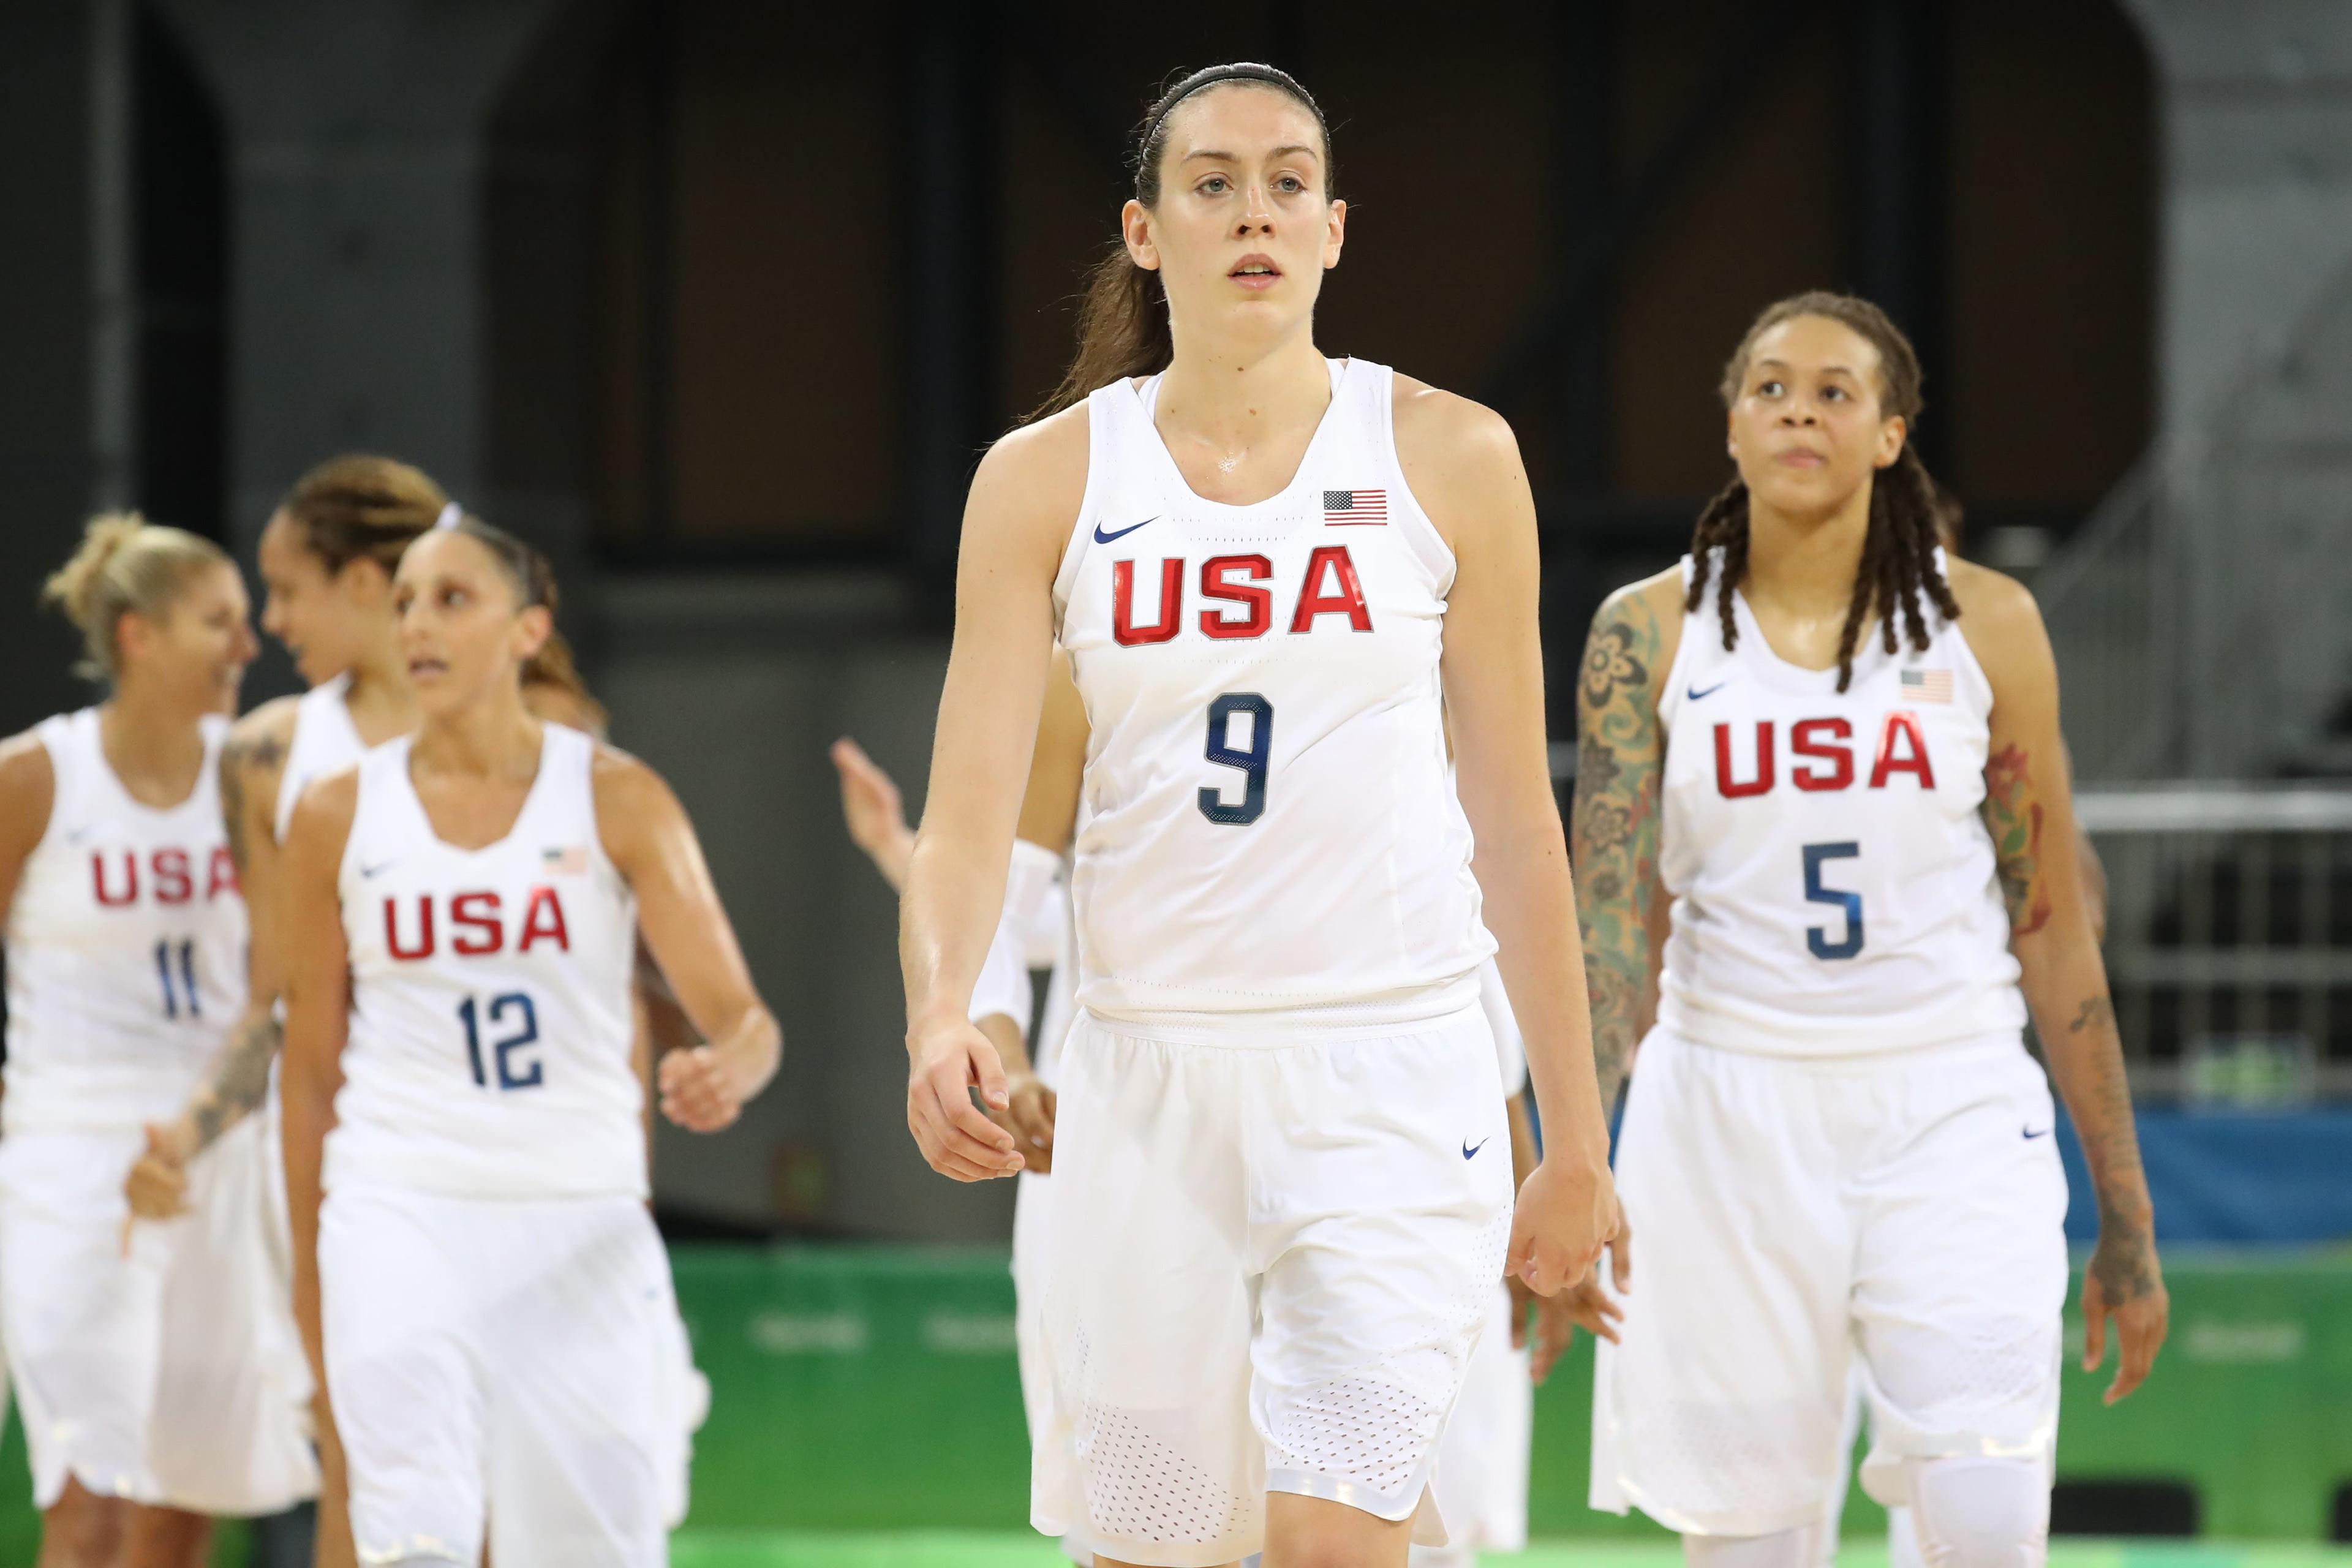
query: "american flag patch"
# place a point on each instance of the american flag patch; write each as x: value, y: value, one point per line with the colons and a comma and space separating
x: 1928, y: 685
x: 1360, y: 508
x: 567, y: 862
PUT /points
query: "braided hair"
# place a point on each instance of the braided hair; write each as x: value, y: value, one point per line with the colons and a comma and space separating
x: 1908, y: 508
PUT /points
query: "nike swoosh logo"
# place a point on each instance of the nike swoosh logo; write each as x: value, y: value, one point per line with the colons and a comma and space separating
x: 80, y: 834
x: 1694, y: 695
x: 372, y: 870
x: 2029, y: 1135
x: 1102, y: 538
x: 1470, y: 1148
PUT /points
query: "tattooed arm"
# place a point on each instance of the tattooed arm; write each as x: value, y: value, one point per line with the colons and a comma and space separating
x: 252, y: 763
x: 2030, y: 811
x: 1620, y: 752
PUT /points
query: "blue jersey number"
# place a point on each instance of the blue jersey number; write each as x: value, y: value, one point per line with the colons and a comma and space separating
x: 526, y: 1033
x: 180, y: 991
x: 1817, y: 938
x: 1225, y: 755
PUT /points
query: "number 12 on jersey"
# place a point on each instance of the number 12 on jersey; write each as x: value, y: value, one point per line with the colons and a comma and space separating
x: 526, y: 1033
x: 1251, y: 761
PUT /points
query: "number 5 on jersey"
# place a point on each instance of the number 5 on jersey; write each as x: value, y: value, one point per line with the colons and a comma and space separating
x: 1251, y: 760
x: 1817, y: 938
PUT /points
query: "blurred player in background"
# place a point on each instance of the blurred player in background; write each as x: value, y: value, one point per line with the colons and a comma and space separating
x: 1844, y: 767
x: 492, y: 1298
x: 152, y: 1363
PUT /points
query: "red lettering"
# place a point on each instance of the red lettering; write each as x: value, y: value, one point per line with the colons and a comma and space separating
x: 1349, y: 600
x: 173, y: 885
x: 130, y: 879
x: 490, y: 935
x: 220, y: 875
x: 1801, y: 743
x: 1914, y: 759
x: 1122, y: 604
x: 424, y: 948
x: 543, y: 899
x: 1731, y: 788
x: 1260, y: 601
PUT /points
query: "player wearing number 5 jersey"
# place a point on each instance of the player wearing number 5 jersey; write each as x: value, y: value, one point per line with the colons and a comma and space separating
x: 482, y: 1275
x: 1279, y: 1131
x: 158, y: 1376
x: 1836, y: 751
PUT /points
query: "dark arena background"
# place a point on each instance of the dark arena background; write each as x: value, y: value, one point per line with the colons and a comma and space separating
x: 718, y: 300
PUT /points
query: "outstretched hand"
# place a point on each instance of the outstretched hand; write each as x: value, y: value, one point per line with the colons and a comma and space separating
x: 875, y: 812
x: 948, y: 1061
x: 703, y: 1088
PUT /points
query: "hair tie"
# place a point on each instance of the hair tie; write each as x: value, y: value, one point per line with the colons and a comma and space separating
x: 451, y: 516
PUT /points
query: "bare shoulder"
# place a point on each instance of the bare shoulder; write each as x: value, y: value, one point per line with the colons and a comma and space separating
x: 1446, y: 434
x: 322, y: 815
x: 1044, y: 462
x: 636, y: 807
x: 1637, y: 632
x: 2000, y: 621
x: 29, y: 783
x: 260, y: 739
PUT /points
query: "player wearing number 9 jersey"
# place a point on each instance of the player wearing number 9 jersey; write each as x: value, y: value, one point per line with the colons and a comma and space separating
x: 153, y: 1366
x: 481, y: 1277
x: 1279, y: 1131
x: 1836, y: 749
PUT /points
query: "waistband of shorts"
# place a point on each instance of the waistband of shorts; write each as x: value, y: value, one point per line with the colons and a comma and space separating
x: 1435, y: 1008
x: 2003, y: 1045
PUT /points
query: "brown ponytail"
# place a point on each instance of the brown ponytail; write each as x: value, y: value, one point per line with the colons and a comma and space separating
x: 1123, y: 317
x: 552, y: 670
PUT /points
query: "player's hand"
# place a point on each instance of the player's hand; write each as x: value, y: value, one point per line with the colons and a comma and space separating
x: 1554, y: 1327
x: 2125, y: 1283
x: 1028, y: 1115
x: 1566, y: 1214
x: 873, y: 811
x: 948, y: 1060
x: 1593, y: 1308
x: 157, y: 1186
x: 703, y: 1088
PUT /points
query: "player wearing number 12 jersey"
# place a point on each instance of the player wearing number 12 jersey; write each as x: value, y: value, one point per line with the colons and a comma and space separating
x: 493, y: 1303
x: 1279, y: 1131
x: 1836, y: 751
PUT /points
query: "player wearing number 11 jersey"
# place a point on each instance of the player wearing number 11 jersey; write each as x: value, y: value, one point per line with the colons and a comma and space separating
x: 1837, y: 751
x: 482, y: 1279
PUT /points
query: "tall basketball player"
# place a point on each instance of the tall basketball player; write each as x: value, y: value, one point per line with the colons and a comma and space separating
x: 494, y: 1304
x: 1279, y: 1118
x: 151, y: 1367
x: 1836, y: 749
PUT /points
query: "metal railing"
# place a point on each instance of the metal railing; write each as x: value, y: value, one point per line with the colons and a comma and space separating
x: 2230, y: 939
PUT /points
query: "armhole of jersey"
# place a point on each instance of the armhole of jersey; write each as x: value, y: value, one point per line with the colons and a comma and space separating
x: 55, y: 734
x: 1074, y: 549
x: 1670, y: 694
x: 282, y: 808
x: 1421, y: 535
x: 598, y: 854
x: 368, y: 763
x: 1970, y: 675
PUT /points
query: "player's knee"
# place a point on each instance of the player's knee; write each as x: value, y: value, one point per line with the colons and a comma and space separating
x: 1971, y: 1512
x: 84, y: 1530
x: 1798, y: 1548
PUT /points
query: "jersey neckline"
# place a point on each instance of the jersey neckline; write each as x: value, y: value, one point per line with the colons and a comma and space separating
x: 1146, y: 397
x: 95, y: 720
x: 538, y: 784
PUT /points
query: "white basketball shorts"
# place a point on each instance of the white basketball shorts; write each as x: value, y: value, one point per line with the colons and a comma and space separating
x: 513, y: 1358
x: 171, y: 1376
x: 1481, y: 1484
x: 1272, y: 1258
x: 1789, y: 1216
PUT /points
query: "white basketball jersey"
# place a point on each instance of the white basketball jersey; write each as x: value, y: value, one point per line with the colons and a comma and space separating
x: 325, y: 742
x: 126, y: 944
x: 1835, y: 886
x: 1267, y: 824
x: 488, y: 1053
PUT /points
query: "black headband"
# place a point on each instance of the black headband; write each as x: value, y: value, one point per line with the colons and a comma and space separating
x: 1217, y: 76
